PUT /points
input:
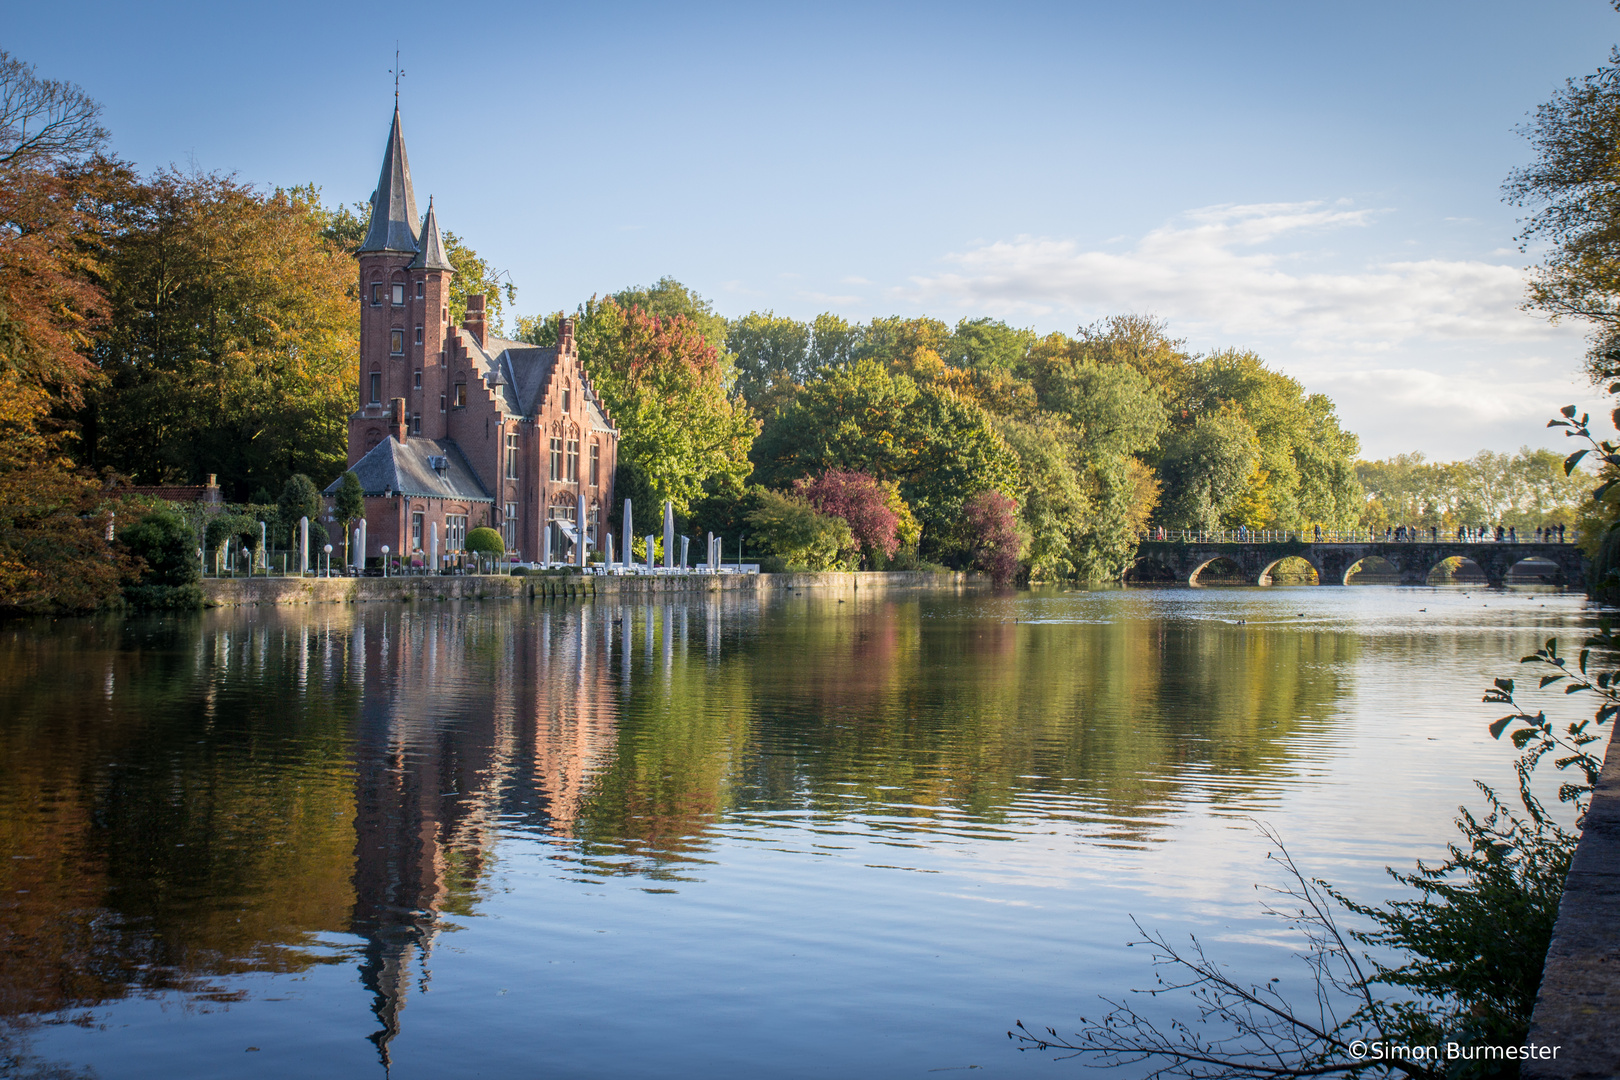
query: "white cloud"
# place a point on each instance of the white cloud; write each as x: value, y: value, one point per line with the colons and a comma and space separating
x: 1419, y: 353
x: 1220, y: 269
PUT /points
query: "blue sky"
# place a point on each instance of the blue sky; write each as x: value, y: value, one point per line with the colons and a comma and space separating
x: 1320, y: 183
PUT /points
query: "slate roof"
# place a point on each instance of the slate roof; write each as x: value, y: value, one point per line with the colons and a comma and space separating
x: 432, y: 256
x: 520, y: 373
x: 403, y: 468
x: 393, y: 204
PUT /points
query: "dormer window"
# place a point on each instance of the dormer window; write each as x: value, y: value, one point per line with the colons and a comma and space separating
x: 399, y: 294
x: 376, y: 294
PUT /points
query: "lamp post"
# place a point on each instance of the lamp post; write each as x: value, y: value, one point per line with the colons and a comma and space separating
x: 328, y: 560
x: 385, y: 560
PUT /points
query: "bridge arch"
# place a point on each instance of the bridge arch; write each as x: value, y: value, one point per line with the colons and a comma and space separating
x: 1537, y: 570
x: 1270, y: 569
x: 1223, y: 576
x: 1372, y: 569
x: 1459, y: 569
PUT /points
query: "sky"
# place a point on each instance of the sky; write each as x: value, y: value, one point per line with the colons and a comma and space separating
x: 1319, y: 183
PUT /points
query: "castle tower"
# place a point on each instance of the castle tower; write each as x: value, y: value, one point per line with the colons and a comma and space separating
x: 404, y: 313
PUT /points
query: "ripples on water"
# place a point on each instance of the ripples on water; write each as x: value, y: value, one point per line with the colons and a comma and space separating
x: 717, y: 838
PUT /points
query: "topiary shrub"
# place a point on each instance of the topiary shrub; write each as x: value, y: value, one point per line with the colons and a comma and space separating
x: 486, y: 541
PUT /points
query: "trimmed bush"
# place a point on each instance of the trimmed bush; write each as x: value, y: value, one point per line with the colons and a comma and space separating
x: 486, y: 541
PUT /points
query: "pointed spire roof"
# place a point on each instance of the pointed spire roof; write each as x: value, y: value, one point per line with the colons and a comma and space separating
x: 432, y: 256
x: 393, y: 204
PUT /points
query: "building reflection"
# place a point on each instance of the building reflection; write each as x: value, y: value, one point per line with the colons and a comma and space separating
x: 470, y: 721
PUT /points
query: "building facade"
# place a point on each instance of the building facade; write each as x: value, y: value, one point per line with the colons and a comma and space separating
x: 457, y: 428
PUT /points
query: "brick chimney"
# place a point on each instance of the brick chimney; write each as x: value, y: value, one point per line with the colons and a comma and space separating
x: 474, y: 322
x: 396, y: 418
x: 565, y: 337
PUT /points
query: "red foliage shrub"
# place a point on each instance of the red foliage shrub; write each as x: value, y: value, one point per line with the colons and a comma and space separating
x: 991, y: 521
x: 861, y: 501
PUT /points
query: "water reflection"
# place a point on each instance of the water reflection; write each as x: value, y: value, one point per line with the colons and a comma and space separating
x: 263, y: 790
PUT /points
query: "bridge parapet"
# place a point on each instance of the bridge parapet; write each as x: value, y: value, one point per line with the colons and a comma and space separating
x: 1333, y: 561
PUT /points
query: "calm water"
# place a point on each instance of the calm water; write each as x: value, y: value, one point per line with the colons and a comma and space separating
x: 795, y: 837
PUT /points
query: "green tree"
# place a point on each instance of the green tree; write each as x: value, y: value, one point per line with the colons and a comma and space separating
x: 350, y: 505
x: 1207, y: 469
x: 299, y: 499
x: 771, y: 356
x: 834, y: 342
x: 939, y: 449
x: 989, y: 345
x: 1573, y: 187
x: 166, y: 546
x: 791, y: 529
x: 475, y: 277
x: 684, y: 438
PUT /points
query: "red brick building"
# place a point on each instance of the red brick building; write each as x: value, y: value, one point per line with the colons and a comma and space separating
x: 457, y: 428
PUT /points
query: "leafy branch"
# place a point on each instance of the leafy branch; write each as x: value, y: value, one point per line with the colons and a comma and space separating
x: 1246, y: 1029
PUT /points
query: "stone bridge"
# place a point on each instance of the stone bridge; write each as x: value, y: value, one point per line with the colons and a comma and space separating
x: 1185, y: 560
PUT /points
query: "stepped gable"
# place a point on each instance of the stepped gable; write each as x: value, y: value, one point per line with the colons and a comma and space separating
x: 404, y: 469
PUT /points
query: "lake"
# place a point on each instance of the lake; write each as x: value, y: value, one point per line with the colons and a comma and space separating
x: 724, y: 837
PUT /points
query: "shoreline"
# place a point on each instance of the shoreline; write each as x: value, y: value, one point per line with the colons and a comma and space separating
x: 238, y: 592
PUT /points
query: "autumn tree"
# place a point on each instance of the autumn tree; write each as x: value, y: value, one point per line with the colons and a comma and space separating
x: 232, y: 339
x: 54, y: 553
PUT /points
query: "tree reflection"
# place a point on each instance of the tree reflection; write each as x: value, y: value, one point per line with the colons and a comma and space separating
x: 190, y: 799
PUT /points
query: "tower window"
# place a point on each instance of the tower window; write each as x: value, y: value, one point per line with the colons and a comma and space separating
x: 461, y: 395
x: 419, y: 290
x: 416, y: 424
x: 399, y: 294
x: 419, y: 333
x: 376, y: 387
x: 596, y: 465
x: 512, y: 456
x: 396, y: 342
x: 376, y: 294
x: 441, y: 403
x: 419, y: 378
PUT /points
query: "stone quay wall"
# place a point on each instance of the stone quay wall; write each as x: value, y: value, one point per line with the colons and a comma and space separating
x: 1580, y: 987
x: 229, y: 592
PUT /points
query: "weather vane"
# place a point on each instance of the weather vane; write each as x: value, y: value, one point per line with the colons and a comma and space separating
x: 396, y: 71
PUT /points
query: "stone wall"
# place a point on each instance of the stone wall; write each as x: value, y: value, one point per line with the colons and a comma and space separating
x: 1579, y: 1001
x: 226, y: 592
